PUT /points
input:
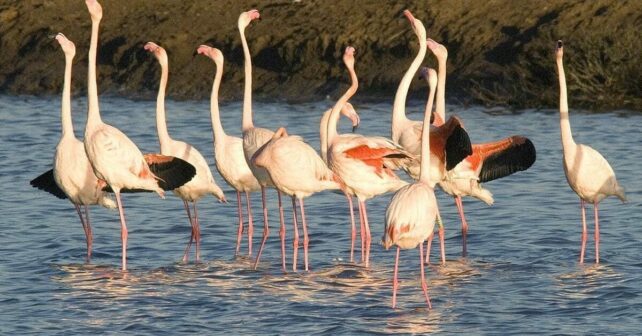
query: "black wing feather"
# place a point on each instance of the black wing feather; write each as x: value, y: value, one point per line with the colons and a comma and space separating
x: 47, y: 183
x: 517, y: 157
x: 173, y: 174
x: 458, y: 147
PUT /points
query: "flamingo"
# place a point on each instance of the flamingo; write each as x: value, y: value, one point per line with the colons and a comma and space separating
x: 228, y: 151
x: 203, y: 182
x: 296, y: 170
x: 587, y: 171
x: 488, y: 161
x: 72, y: 176
x: 411, y: 214
x: 449, y: 142
x: 364, y: 164
x: 254, y: 138
x: 115, y: 159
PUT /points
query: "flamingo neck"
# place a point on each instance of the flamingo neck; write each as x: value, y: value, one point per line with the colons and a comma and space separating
x: 399, y: 107
x: 247, y: 122
x: 323, y: 135
x: 65, y: 111
x: 334, y: 115
x: 424, y: 170
x: 161, y: 122
x: 217, y: 127
x: 93, y: 110
x: 565, y: 124
x: 440, y: 107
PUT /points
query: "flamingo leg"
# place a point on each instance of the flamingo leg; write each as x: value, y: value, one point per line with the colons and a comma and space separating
x: 282, y: 232
x: 368, y: 236
x: 395, y: 282
x: 442, y: 234
x: 295, y: 240
x: 123, y: 229
x: 266, y: 229
x: 353, y: 232
x: 191, y: 222
x: 428, y: 247
x: 362, y: 229
x: 464, y: 224
x: 90, y: 235
x: 249, y: 223
x: 306, y: 240
x: 424, y: 286
x: 597, y: 233
x: 197, y: 233
x: 239, y: 233
x: 84, y: 228
x: 584, y: 231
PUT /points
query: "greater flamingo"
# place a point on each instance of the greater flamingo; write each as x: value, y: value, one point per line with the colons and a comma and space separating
x: 115, y: 159
x: 72, y: 176
x: 296, y: 170
x: 587, y: 171
x: 364, y: 164
x: 488, y: 161
x: 254, y: 138
x: 449, y: 142
x: 411, y: 214
x: 228, y: 151
x: 203, y: 182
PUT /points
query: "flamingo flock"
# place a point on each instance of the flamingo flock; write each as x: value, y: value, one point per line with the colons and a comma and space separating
x: 436, y: 151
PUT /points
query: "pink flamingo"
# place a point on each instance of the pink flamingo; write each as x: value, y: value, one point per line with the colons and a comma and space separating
x: 114, y: 157
x: 411, y: 214
x: 488, y: 161
x: 72, y: 176
x: 228, y: 151
x: 587, y: 171
x: 296, y: 170
x: 203, y: 182
x: 254, y: 138
x: 364, y: 164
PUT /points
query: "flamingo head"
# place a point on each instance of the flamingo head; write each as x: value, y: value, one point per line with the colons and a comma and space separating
x: 157, y: 50
x: 68, y: 47
x: 432, y: 77
x: 246, y: 17
x: 423, y: 73
x: 348, y: 57
x: 95, y: 10
x: 210, y: 52
x: 350, y: 113
x: 417, y: 25
x: 438, y: 49
x: 559, y: 49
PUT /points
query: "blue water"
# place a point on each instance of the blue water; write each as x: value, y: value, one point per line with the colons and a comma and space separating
x: 521, y: 275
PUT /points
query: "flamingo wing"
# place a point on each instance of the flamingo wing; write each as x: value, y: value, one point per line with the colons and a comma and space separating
x: 47, y: 183
x: 503, y: 157
x: 170, y: 172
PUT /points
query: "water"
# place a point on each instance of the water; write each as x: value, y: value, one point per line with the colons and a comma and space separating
x: 521, y: 275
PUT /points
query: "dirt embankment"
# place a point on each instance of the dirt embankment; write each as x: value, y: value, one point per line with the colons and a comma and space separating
x: 500, y: 52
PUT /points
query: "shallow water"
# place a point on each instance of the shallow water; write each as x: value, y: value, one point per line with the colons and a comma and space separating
x: 521, y: 275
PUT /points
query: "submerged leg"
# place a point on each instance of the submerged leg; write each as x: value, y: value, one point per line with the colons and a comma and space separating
x: 306, y: 240
x: 191, y: 222
x: 250, y: 224
x: 123, y: 229
x: 424, y: 286
x: 395, y: 282
x: 584, y: 231
x: 282, y: 232
x: 90, y: 232
x: 353, y: 232
x: 239, y: 233
x: 295, y: 240
x: 84, y: 228
x: 597, y: 234
x: 464, y: 224
x: 197, y: 233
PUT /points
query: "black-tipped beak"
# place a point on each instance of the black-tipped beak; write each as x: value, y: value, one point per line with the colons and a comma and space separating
x: 354, y: 128
x: 559, y: 44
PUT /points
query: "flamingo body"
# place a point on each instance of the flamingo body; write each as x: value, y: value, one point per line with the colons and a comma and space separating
x: 410, y: 216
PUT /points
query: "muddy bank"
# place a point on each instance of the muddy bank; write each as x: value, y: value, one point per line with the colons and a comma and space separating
x: 500, y: 52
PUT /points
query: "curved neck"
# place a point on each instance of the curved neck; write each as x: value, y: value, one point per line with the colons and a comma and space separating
x: 217, y: 127
x: 424, y: 172
x: 399, y: 107
x: 247, y: 122
x: 65, y: 111
x: 93, y: 111
x: 334, y: 115
x: 323, y: 134
x: 565, y: 123
x: 161, y: 123
x: 440, y: 107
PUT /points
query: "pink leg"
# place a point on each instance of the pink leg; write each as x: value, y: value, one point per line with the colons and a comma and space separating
x: 464, y: 224
x: 191, y: 222
x: 123, y: 229
x: 368, y: 236
x: 306, y: 240
x: 442, y: 239
x: 395, y: 283
x: 91, y: 233
x: 84, y: 228
x: 282, y: 232
x: 584, y: 232
x: 362, y: 233
x: 197, y: 233
x: 266, y: 229
x: 353, y: 233
x: 424, y: 286
x: 295, y: 240
x: 428, y: 247
x: 597, y: 234
x: 250, y: 224
x: 239, y: 233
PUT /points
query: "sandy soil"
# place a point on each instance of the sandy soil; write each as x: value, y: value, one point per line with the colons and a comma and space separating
x: 500, y: 52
